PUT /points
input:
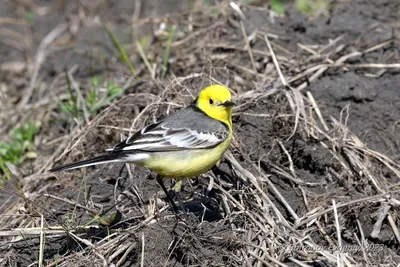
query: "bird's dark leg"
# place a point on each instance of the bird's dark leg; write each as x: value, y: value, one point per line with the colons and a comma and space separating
x: 177, y: 190
x: 160, y: 182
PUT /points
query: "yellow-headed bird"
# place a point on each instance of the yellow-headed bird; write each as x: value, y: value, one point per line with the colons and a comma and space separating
x: 183, y: 145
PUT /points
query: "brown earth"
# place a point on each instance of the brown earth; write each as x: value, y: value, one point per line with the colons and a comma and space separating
x: 273, y: 191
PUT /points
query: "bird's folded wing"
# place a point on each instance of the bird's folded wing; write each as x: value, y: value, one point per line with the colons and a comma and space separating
x: 157, y: 137
x: 189, y: 128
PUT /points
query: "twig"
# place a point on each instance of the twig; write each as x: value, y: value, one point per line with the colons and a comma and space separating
x: 302, y: 264
x: 330, y: 44
x: 374, y: 65
x: 265, y: 262
x: 363, y: 242
x: 121, y: 129
x: 236, y: 7
x: 137, y: 10
x: 142, y: 258
x: 121, y: 248
x: 281, y: 198
x: 144, y: 58
x: 279, y: 171
x: 88, y: 243
x: 379, y: 45
x: 291, y: 166
x: 394, y: 227
x: 315, y: 53
x: 247, y: 42
x: 195, y: 34
x: 338, y: 234
x: 39, y: 59
x: 278, y: 69
x: 73, y: 203
x: 383, y: 212
x: 299, y: 104
x: 34, y: 231
x: 317, y: 111
x: 211, y: 183
x: 370, y: 198
x: 126, y: 254
x: 41, y: 240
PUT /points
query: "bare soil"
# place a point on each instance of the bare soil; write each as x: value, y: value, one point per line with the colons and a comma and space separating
x: 291, y: 181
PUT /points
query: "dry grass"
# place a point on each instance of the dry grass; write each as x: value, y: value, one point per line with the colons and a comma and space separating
x: 260, y: 225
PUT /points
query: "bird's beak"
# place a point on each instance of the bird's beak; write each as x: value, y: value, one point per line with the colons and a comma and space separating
x: 228, y: 104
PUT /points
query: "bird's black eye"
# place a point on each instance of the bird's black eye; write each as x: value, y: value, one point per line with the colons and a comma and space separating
x: 211, y: 101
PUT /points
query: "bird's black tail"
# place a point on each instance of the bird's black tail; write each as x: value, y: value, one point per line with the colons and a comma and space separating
x: 112, y: 157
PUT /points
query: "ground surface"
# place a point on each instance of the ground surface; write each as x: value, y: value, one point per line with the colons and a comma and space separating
x: 275, y: 188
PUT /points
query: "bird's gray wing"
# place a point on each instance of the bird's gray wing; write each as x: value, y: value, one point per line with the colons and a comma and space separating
x: 189, y: 128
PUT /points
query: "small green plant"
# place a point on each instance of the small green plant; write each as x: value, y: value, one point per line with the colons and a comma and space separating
x: 69, y: 220
x: 98, y: 96
x: 93, y: 94
x: 121, y: 50
x: 278, y: 6
x: 308, y: 7
x: 113, y: 90
x: 171, y: 35
x: 94, y: 101
x: 70, y: 106
x: 312, y: 7
x: 29, y: 16
x: 21, y: 146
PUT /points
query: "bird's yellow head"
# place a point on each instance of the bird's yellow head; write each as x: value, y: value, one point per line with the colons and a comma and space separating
x: 215, y: 101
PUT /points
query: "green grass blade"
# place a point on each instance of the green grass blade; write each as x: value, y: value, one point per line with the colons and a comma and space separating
x: 4, y: 168
x: 144, y: 58
x: 121, y: 50
x: 168, y: 50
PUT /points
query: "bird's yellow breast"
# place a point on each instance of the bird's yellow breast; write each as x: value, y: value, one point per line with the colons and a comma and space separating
x: 186, y: 163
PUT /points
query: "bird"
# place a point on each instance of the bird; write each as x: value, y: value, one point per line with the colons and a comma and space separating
x: 183, y: 145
